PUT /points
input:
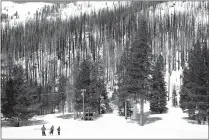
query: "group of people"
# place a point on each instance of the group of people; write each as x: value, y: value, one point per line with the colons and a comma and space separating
x: 43, y: 129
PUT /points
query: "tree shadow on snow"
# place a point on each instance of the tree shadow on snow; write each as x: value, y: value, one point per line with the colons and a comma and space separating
x: 34, y: 122
x: 164, y: 112
x: 147, y: 118
x: 71, y: 116
x: 66, y: 116
x: 97, y: 116
x: 150, y: 120
x: 22, y: 123
x: 192, y: 121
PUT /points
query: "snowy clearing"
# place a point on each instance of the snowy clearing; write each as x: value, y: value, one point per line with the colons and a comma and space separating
x: 168, y: 125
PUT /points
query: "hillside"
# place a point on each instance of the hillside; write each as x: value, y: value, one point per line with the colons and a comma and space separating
x: 83, y: 56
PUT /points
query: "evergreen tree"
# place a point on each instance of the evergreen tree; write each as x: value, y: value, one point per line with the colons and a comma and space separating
x: 194, y: 94
x: 21, y: 96
x: 158, y: 93
x: 138, y: 68
x: 8, y: 102
x: 91, y: 78
x: 83, y: 81
x: 104, y: 102
x: 62, y: 90
x: 123, y: 92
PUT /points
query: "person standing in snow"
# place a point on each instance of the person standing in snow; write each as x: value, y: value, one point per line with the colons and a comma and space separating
x: 58, y: 130
x: 51, y: 130
x: 43, y: 129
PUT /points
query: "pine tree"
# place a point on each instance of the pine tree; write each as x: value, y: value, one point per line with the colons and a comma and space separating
x: 8, y: 102
x: 194, y: 94
x: 158, y: 93
x: 122, y: 79
x: 104, y: 102
x: 21, y: 97
x: 138, y: 68
x: 62, y: 90
x: 98, y: 83
x: 83, y: 81
x: 121, y: 72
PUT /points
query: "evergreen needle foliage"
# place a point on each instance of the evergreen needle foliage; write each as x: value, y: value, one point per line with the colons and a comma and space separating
x: 195, y: 94
x: 158, y: 93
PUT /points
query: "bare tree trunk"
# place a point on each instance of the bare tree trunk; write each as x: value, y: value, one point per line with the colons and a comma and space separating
x: 99, y: 106
x: 134, y: 111
x: 125, y: 110
x: 74, y: 114
x: 142, y: 113
x: 63, y: 107
x: 168, y: 86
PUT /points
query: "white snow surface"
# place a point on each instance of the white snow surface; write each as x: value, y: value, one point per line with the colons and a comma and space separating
x: 26, y: 11
x: 168, y: 125
x: 87, y: 7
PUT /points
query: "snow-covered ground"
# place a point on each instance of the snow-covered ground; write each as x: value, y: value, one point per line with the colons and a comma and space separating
x: 169, y: 125
x: 28, y: 10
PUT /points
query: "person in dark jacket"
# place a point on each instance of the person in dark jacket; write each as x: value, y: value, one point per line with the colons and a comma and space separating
x: 43, y: 129
x: 58, y: 130
x: 51, y: 130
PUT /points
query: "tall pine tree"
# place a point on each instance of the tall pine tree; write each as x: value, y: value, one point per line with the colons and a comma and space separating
x: 194, y: 94
x: 158, y: 93
x: 83, y: 81
x: 21, y: 97
x: 138, y: 68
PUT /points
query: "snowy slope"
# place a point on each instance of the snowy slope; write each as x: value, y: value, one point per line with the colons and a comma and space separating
x: 170, y: 125
x: 178, y: 7
x: 87, y: 7
x: 27, y: 10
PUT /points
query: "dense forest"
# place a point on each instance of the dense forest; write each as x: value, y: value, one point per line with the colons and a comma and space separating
x: 47, y: 61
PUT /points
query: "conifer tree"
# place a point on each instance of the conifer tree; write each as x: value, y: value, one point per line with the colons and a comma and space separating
x: 8, y: 102
x: 194, y: 94
x: 21, y: 97
x: 62, y: 90
x: 82, y: 82
x: 138, y: 68
x: 158, y: 93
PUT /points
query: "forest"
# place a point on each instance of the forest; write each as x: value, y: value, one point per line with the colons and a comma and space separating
x: 47, y: 62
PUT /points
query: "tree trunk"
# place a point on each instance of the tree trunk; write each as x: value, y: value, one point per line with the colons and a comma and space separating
x: 99, y: 106
x: 134, y: 111
x: 63, y: 107
x: 74, y: 114
x: 142, y: 112
x: 125, y: 110
x: 168, y: 86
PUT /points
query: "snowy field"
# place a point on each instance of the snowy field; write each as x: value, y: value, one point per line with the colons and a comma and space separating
x: 169, y: 125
